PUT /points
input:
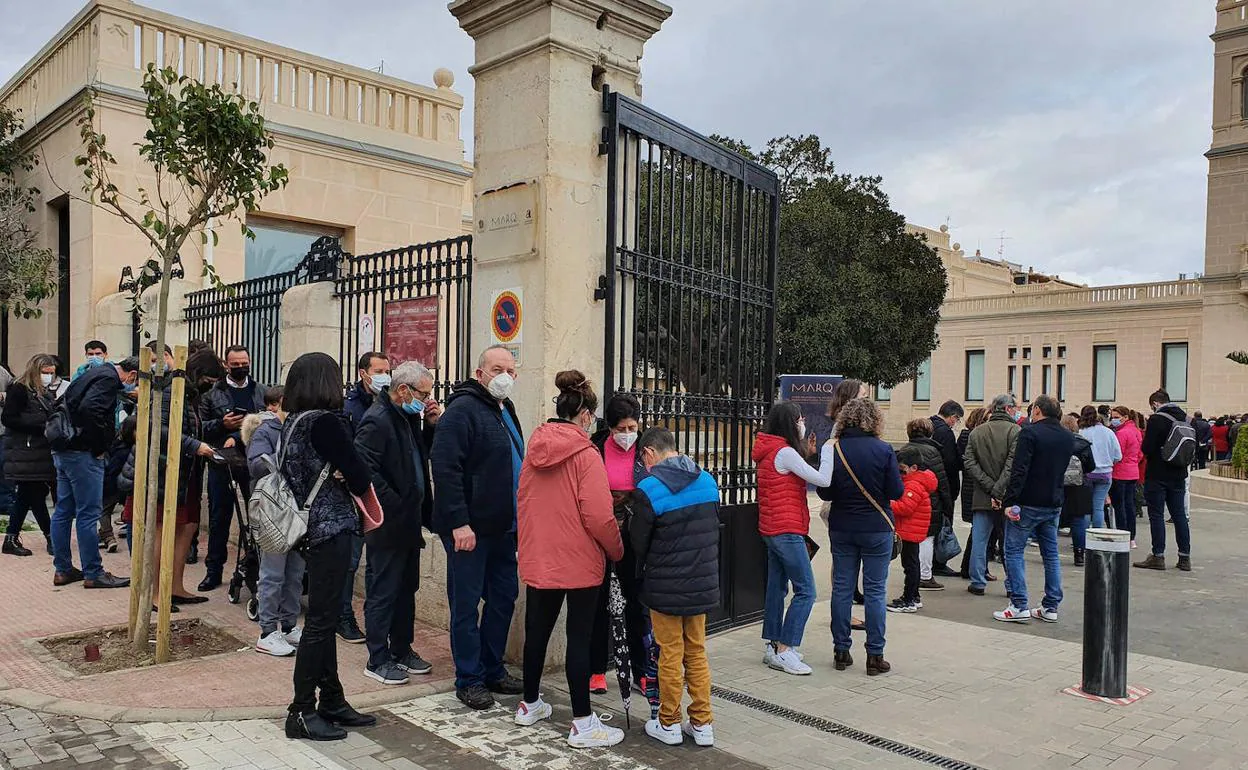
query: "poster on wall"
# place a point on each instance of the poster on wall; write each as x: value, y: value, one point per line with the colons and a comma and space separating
x: 410, y: 331
x: 811, y: 392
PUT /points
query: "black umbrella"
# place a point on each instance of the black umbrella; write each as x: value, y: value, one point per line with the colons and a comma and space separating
x: 619, y: 643
x: 651, y: 679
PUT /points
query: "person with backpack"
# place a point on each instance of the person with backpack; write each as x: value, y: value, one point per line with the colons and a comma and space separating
x: 1168, y: 447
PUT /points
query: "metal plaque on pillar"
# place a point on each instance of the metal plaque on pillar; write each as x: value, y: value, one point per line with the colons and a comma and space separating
x: 505, y: 222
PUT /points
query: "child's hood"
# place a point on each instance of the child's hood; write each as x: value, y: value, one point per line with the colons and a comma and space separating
x: 925, y: 479
x: 676, y: 473
x: 251, y: 423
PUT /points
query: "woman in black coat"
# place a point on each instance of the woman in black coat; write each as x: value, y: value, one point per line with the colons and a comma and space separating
x: 28, y: 403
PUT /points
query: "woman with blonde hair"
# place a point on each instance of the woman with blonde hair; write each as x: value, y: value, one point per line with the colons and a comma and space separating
x: 28, y: 403
x: 865, y: 480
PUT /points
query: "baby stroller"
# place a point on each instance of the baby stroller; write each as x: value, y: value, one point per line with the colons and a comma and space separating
x: 247, y: 563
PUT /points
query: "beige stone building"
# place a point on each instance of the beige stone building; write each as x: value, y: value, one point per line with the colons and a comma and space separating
x: 1003, y: 328
x: 374, y: 160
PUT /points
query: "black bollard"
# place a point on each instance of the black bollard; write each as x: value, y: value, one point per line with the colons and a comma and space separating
x: 1107, y: 573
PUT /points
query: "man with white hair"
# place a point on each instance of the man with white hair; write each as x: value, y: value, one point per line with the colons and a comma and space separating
x: 394, y: 439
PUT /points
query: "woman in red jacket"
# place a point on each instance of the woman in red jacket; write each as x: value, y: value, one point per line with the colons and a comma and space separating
x: 1221, y: 439
x: 784, y: 523
x: 567, y: 531
x: 913, y: 515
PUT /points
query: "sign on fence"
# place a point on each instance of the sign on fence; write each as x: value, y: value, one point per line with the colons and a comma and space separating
x: 410, y: 331
x: 811, y: 392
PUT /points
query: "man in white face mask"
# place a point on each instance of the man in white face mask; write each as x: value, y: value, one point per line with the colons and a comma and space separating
x: 476, y: 458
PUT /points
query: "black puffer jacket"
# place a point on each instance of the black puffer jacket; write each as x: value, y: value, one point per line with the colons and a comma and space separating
x: 942, y: 498
x: 395, y: 447
x: 190, y: 467
x: 675, y: 536
x: 27, y: 456
x: 967, y: 498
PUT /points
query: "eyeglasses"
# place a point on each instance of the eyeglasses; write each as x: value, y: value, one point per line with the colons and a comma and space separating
x: 422, y: 395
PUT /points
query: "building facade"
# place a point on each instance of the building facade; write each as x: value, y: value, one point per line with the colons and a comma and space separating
x: 377, y: 161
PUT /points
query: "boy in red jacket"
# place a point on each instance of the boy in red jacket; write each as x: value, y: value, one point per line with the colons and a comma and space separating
x: 912, y: 514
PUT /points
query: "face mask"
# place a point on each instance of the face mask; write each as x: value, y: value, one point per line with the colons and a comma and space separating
x: 379, y: 382
x: 46, y: 379
x: 801, y: 430
x: 1117, y: 423
x: 93, y: 361
x: 624, y: 441
x: 130, y: 387
x: 240, y: 373
x: 413, y: 407
x: 501, y: 386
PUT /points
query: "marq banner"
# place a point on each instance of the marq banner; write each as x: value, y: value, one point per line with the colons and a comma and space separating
x: 812, y: 392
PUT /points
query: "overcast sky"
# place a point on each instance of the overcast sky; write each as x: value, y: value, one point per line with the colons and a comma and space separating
x: 1077, y: 127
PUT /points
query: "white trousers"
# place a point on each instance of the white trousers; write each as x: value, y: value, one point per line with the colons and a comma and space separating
x: 926, y: 548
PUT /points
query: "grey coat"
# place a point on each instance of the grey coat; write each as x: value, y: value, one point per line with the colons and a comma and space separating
x: 989, y: 458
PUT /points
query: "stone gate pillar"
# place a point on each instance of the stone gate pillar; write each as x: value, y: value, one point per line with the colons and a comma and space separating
x: 540, y: 204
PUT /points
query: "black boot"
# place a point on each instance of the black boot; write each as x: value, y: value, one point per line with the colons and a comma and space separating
x: 1078, y: 557
x: 345, y: 716
x: 842, y: 660
x: 13, y: 546
x: 312, y: 727
x: 877, y: 665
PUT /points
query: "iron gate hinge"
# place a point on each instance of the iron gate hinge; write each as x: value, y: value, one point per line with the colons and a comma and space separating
x: 604, y: 144
x: 601, y: 292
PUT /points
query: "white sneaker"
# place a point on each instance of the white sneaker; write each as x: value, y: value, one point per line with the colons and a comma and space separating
x: 789, y: 662
x: 671, y: 734
x: 294, y: 636
x: 593, y: 734
x: 1047, y: 615
x: 769, y: 653
x: 703, y: 736
x: 532, y: 713
x: 275, y: 644
x: 1133, y: 545
x: 1012, y: 614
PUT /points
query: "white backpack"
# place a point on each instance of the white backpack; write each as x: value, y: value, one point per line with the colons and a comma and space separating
x: 278, y: 521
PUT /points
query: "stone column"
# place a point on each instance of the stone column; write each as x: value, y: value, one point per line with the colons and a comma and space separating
x: 176, y: 330
x: 540, y: 66
x: 113, y: 324
x: 310, y: 323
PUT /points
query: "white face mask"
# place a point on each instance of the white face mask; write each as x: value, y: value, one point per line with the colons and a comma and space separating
x: 501, y: 386
x: 624, y: 441
x: 801, y: 430
x: 377, y: 382
x: 46, y: 379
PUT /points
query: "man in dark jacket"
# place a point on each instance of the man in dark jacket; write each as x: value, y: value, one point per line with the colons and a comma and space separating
x: 393, y: 440
x: 919, y: 431
x: 1165, y: 485
x: 221, y: 411
x: 675, y: 535
x: 476, y: 458
x: 90, y: 406
x: 943, y: 423
x: 1204, y: 440
x: 988, y: 461
x: 1041, y: 455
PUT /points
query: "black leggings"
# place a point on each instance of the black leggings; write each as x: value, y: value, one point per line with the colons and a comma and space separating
x: 542, y: 606
x: 910, y: 563
x: 31, y: 496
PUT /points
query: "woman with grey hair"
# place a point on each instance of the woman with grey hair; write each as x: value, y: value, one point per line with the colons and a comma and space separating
x: 865, y: 480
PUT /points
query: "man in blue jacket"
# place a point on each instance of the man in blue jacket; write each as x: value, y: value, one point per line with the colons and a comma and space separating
x: 476, y: 460
x: 1041, y: 455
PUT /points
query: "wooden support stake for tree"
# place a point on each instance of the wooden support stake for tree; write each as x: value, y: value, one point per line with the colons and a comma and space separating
x: 168, y: 530
x: 142, y: 433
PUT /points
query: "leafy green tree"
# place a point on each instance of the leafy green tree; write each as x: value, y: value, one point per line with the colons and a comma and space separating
x: 208, y: 150
x: 1239, y: 357
x: 27, y: 271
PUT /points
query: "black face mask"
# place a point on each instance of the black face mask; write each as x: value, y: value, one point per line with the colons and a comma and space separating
x: 204, y: 387
x: 240, y: 373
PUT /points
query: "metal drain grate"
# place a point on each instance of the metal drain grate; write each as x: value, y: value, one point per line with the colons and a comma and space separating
x: 844, y: 731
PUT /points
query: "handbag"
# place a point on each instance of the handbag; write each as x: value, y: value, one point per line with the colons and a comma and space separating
x: 870, y: 499
x: 946, y: 546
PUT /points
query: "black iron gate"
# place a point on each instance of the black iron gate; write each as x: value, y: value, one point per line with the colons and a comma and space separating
x: 689, y: 291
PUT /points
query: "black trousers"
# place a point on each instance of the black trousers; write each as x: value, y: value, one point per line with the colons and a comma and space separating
x: 634, y: 618
x: 910, y: 563
x: 316, y: 662
x: 390, y: 601
x: 32, y: 497
x: 541, y: 612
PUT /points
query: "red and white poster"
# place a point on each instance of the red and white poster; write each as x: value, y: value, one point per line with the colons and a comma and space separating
x: 410, y: 331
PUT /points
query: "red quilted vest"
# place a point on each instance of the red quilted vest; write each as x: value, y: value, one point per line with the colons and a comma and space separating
x: 782, y: 506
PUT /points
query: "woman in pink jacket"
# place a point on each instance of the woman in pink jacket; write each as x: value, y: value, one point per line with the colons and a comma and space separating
x: 1126, y: 473
x: 567, y: 531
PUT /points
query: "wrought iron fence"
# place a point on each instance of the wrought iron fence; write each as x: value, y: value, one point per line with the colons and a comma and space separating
x: 416, y: 302
x: 244, y: 313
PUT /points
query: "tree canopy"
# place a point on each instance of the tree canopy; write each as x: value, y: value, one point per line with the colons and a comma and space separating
x: 27, y: 271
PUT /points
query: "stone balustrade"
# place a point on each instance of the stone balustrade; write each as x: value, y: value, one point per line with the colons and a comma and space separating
x: 1131, y: 295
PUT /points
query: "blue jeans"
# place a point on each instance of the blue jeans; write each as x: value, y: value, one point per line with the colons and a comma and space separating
x: 981, y: 532
x: 279, y: 590
x: 479, y: 638
x: 1079, y: 532
x: 1161, y: 495
x: 867, y: 553
x: 787, y: 562
x: 80, y: 497
x: 348, y: 591
x: 1100, y: 490
x: 1039, y: 524
x: 1122, y: 494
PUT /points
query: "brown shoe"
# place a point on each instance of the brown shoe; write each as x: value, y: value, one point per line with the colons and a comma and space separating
x: 107, y: 580
x: 1185, y: 563
x: 1152, y: 562
x: 65, y: 578
x: 877, y: 665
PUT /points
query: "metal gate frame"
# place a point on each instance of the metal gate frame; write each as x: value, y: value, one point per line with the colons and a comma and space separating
x: 690, y: 311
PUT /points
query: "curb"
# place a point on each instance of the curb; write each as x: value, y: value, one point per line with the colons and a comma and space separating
x: 51, y: 704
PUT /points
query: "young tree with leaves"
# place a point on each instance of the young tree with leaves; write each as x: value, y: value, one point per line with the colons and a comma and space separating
x: 208, y: 150
x: 27, y: 271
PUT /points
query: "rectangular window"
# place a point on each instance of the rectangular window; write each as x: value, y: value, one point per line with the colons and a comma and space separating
x: 279, y: 246
x: 1026, y: 354
x: 1013, y: 353
x: 923, y: 381
x: 1011, y: 380
x: 1061, y: 351
x: 974, y: 375
x: 1174, y: 370
x: 883, y: 394
x: 1046, y: 380
x: 1046, y: 351
x: 1061, y: 383
x: 1027, y: 383
x: 1104, y: 373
